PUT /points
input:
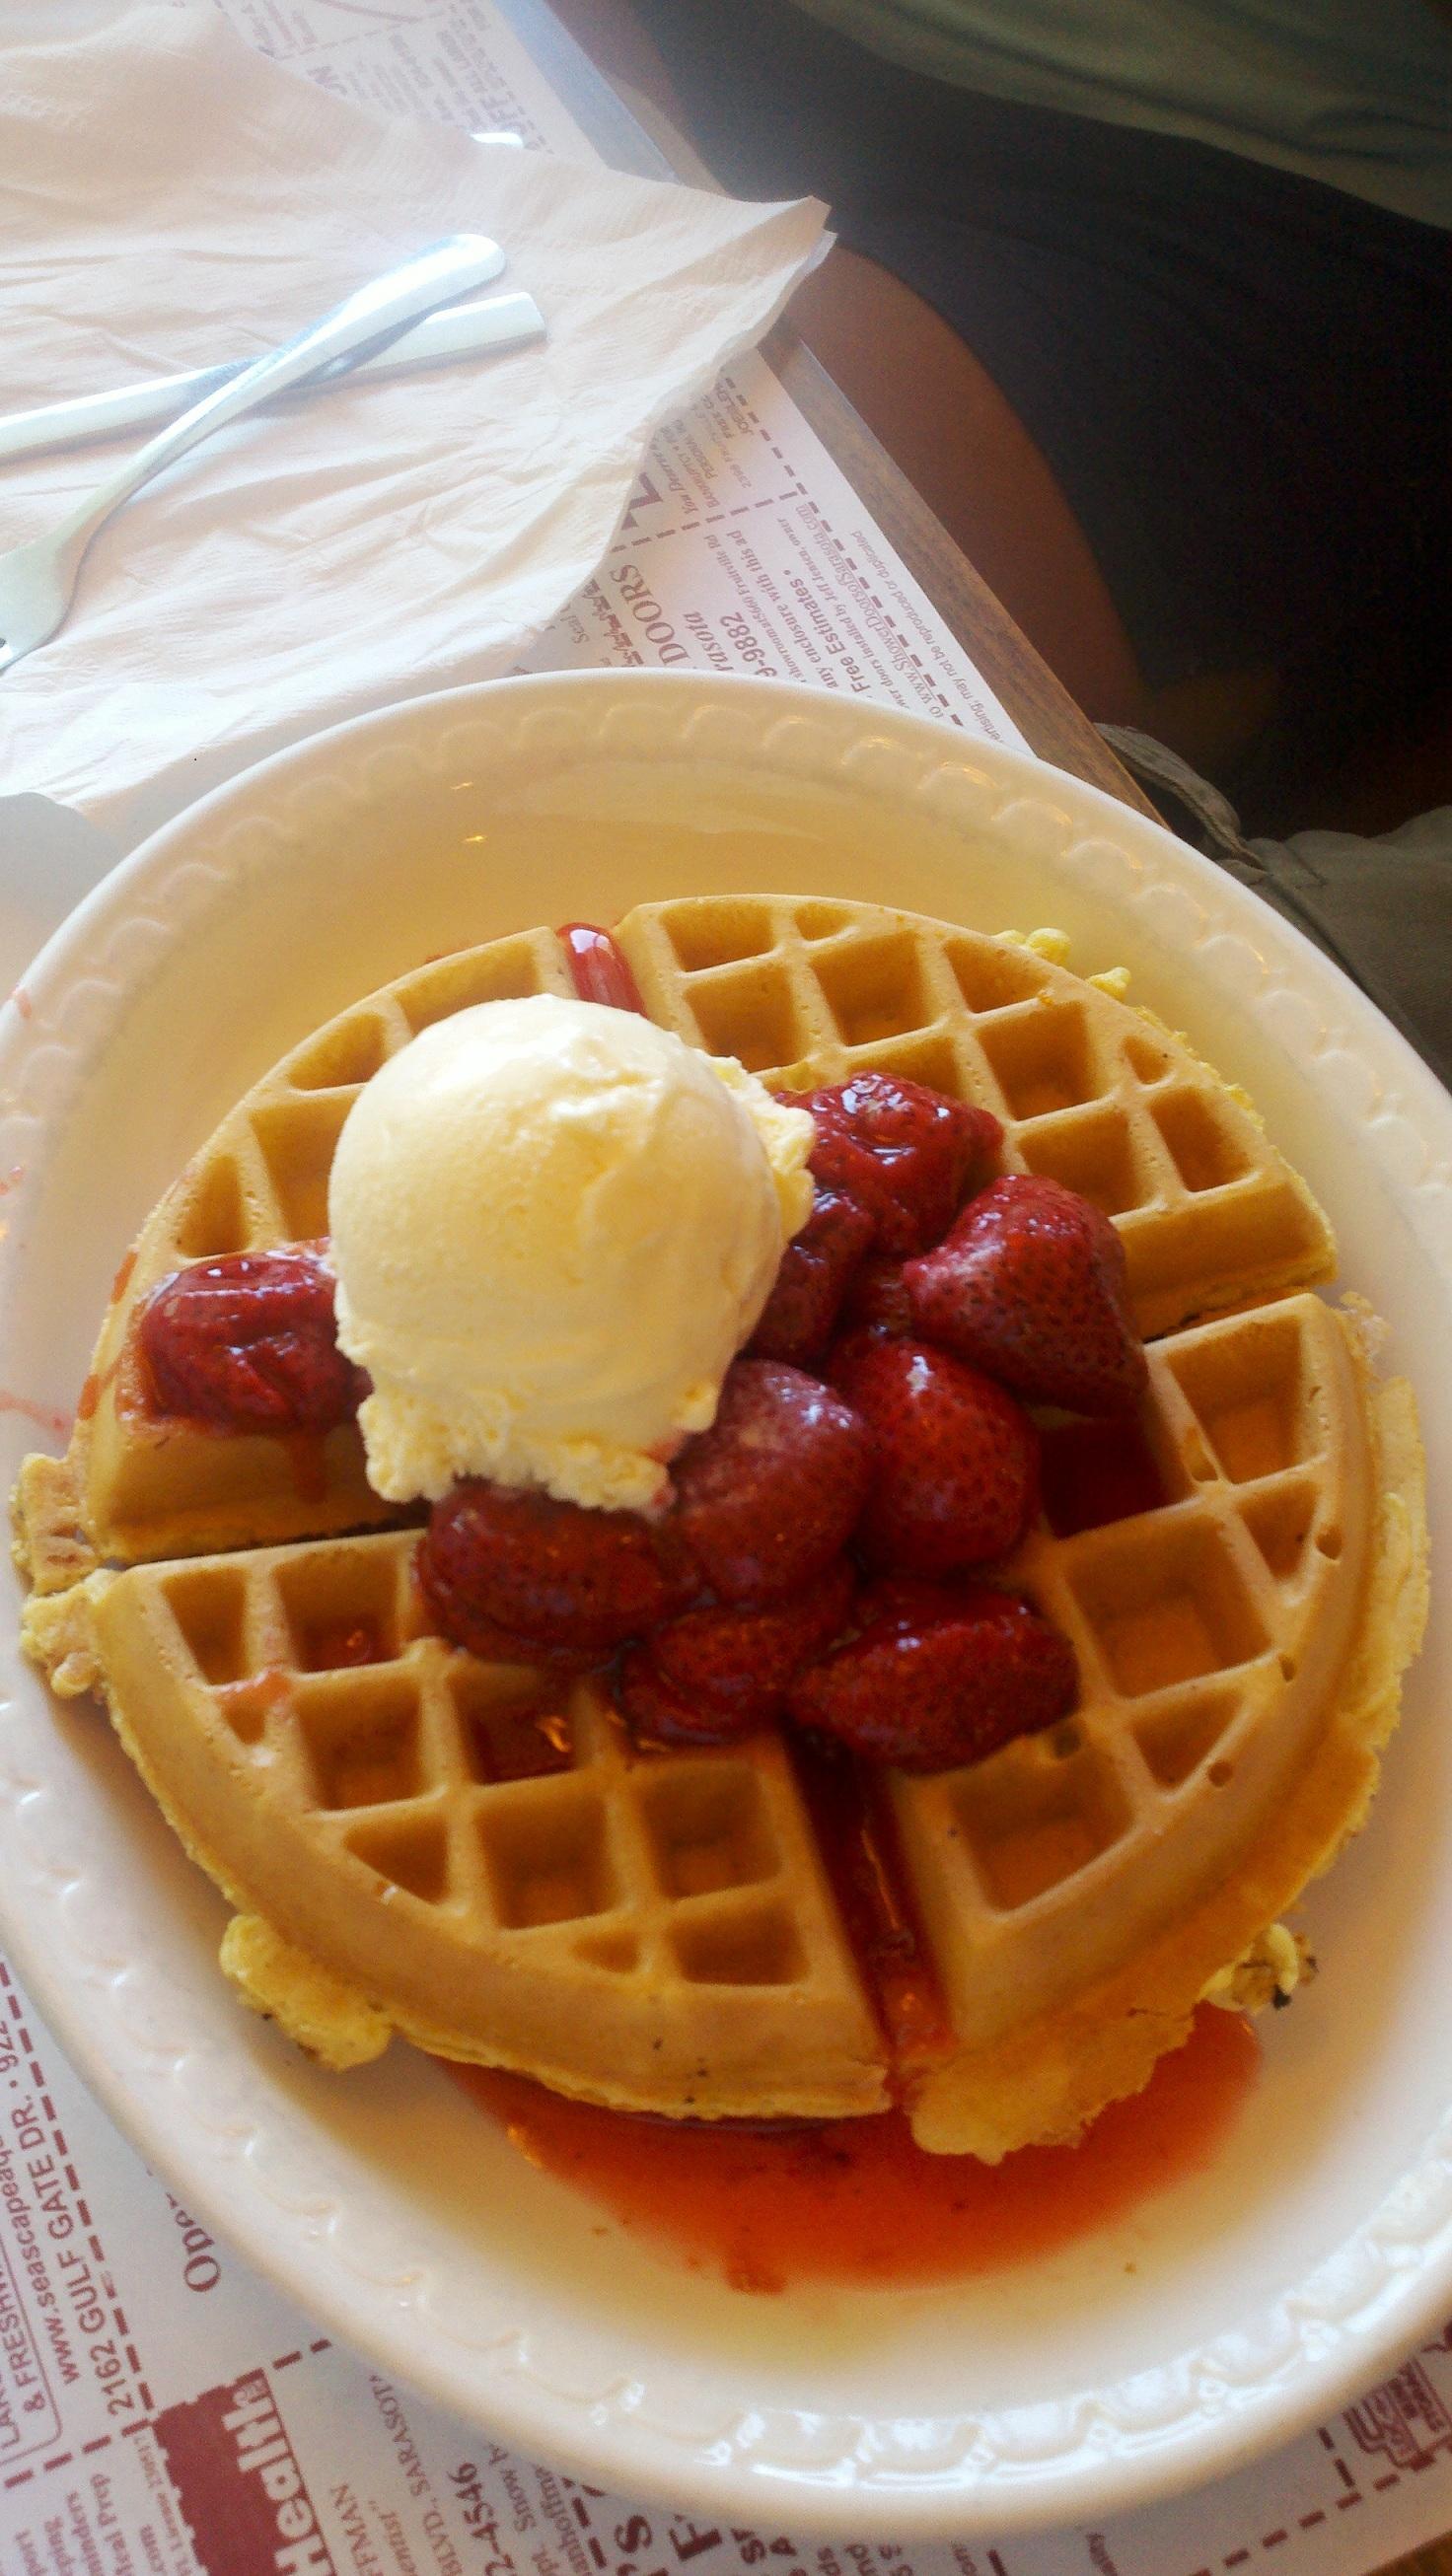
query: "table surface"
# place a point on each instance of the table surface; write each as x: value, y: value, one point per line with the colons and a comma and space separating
x: 1051, y: 722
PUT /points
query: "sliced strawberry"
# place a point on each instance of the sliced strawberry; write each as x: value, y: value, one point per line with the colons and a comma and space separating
x: 940, y: 1678
x: 569, y: 1578
x: 1031, y: 1285
x: 902, y: 1151
x: 716, y: 1673
x: 248, y: 1342
x: 769, y: 1495
x: 955, y: 1466
x: 815, y: 1273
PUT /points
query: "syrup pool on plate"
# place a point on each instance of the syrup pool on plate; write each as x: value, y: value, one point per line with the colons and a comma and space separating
x: 855, y: 2202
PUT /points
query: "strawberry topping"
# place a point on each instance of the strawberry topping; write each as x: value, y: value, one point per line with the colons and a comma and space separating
x: 248, y: 1343
x: 936, y: 1677
x: 599, y: 969
x: 716, y: 1673
x: 815, y: 1275
x: 955, y: 1463
x: 877, y: 1300
x: 735, y: 1610
x: 1032, y: 1286
x: 1097, y: 1472
x: 769, y: 1495
x: 576, y: 1580
x: 460, y: 1619
x: 904, y: 1153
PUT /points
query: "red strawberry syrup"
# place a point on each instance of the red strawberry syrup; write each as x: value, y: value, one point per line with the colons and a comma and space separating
x: 518, y: 1744
x: 95, y: 1387
x: 855, y: 2202
x: 599, y: 968
x: 345, y: 1645
x: 1091, y: 1473
x: 307, y: 1463
x: 856, y: 1834
x: 247, y: 1705
x: 45, y: 1416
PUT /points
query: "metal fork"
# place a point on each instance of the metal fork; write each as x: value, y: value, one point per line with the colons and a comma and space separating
x: 38, y: 580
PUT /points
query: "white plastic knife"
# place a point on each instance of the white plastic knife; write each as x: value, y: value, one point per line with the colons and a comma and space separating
x: 455, y: 331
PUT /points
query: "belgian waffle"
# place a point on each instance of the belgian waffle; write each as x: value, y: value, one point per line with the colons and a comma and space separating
x: 414, y: 1839
x: 1090, y: 1093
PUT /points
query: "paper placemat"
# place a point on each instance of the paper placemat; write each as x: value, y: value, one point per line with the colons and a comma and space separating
x: 146, y: 2378
x: 164, y: 2413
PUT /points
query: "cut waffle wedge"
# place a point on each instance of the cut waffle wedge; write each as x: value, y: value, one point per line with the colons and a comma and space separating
x: 474, y: 1854
x: 415, y: 1839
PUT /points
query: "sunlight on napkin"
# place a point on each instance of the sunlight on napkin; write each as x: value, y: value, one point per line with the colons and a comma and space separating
x: 172, y: 198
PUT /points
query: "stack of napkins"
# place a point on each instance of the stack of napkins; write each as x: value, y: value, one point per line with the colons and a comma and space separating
x: 168, y: 199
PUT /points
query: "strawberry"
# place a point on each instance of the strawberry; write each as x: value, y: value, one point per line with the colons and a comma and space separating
x: 841, y: 1360
x: 903, y: 1152
x: 456, y: 1617
x: 660, y: 1714
x: 1032, y: 1286
x: 816, y: 1270
x: 877, y: 1299
x: 521, y: 1562
x: 875, y: 1309
x: 769, y: 1495
x: 907, y: 1601
x: 248, y: 1342
x: 936, y: 1677
x: 955, y: 1469
x: 716, y: 1673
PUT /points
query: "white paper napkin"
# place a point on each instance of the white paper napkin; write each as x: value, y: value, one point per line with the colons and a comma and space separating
x: 168, y: 198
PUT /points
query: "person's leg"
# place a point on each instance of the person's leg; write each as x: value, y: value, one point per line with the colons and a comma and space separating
x: 941, y: 418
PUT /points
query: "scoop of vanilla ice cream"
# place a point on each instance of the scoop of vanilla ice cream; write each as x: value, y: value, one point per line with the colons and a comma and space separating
x: 554, y: 1225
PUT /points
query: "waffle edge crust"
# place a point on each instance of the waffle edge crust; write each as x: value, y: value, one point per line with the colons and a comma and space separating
x: 657, y: 1931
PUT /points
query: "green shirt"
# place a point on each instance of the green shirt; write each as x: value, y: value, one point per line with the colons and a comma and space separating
x: 1355, y: 93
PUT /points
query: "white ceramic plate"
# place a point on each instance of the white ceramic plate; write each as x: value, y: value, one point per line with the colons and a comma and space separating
x: 1220, y: 2318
